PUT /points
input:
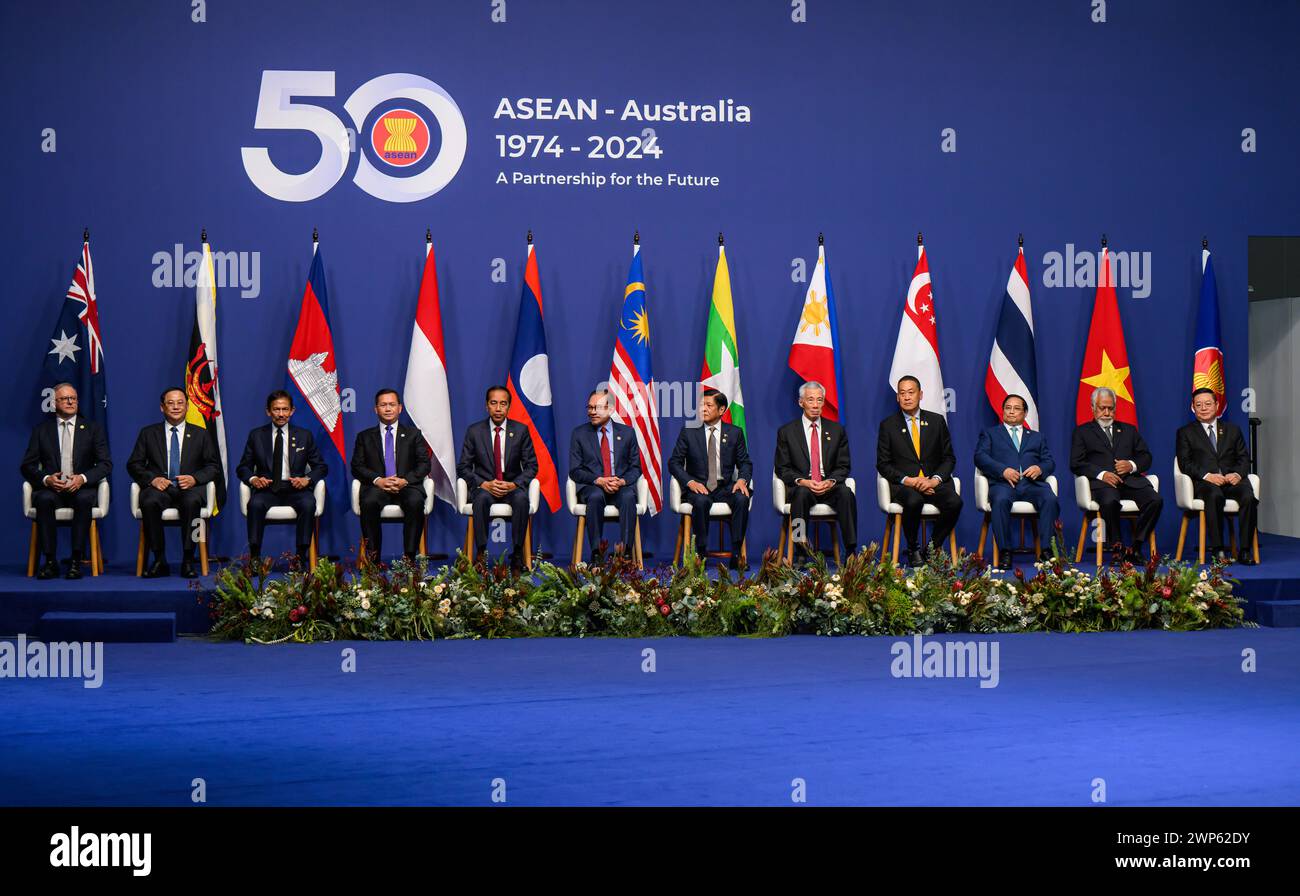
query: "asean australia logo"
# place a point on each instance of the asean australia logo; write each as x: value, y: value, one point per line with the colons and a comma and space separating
x: 400, y: 137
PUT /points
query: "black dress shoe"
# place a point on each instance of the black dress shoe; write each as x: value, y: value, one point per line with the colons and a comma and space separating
x: 1246, y: 558
x: 915, y: 560
x: 49, y: 570
x: 1005, y: 562
x: 158, y: 570
x: 74, y: 569
x: 188, y: 571
x: 1045, y: 557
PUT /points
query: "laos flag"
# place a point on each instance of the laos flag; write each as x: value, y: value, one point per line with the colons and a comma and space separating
x: 529, y: 382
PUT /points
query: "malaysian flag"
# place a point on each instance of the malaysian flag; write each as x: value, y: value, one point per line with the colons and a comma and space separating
x: 1012, y: 369
x: 631, y: 384
x: 76, y: 353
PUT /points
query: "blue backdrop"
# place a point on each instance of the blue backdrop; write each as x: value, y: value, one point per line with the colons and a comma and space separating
x: 1064, y: 127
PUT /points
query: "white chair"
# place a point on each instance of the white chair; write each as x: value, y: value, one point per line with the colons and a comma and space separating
x: 611, y: 513
x: 1023, y: 510
x: 819, y: 513
x: 1128, y: 510
x: 1191, y: 506
x: 498, y: 511
x: 718, y: 511
x: 893, y: 512
x: 64, y: 515
x: 282, y: 513
x: 172, y: 515
x: 392, y: 513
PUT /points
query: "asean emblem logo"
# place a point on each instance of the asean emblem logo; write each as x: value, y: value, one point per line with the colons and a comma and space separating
x: 400, y: 137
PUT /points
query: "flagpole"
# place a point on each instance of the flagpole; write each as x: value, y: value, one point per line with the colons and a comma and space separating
x: 315, y: 238
x: 85, y: 235
x: 428, y: 241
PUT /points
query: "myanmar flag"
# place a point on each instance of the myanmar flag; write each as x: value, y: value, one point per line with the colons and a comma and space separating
x: 721, y: 369
x: 1105, y: 360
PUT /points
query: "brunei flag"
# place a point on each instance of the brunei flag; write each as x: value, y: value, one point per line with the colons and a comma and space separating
x: 1105, y: 360
x: 1207, y: 359
x: 721, y: 369
x: 202, y: 386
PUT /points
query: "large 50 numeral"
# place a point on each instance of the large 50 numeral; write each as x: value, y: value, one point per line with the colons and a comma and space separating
x: 276, y: 110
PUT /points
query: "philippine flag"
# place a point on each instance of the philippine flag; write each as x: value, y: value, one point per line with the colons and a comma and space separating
x: 313, y: 382
x: 814, y: 351
x: 427, y: 399
x: 917, y: 351
x: 529, y: 382
x: 1012, y: 369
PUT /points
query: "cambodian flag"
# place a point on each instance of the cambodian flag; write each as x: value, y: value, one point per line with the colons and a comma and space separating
x: 631, y: 382
x: 1207, y: 359
x: 313, y: 382
x: 529, y: 382
x: 1012, y: 368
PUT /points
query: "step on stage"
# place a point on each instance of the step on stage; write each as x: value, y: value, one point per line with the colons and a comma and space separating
x: 118, y: 606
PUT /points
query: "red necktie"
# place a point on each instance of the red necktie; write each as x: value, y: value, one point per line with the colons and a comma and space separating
x: 604, y: 454
x: 496, y: 451
x: 816, y: 456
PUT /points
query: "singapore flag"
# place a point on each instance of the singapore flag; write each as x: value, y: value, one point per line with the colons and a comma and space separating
x: 917, y: 351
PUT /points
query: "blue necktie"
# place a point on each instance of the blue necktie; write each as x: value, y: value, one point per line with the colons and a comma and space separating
x: 1214, y: 439
x: 1015, y: 437
x: 174, y: 463
x: 390, y: 454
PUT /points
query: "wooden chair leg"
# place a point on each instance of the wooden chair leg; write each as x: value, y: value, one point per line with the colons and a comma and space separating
x: 139, y: 553
x: 677, y: 546
x: 640, y: 563
x: 1256, y: 545
x: 984, y: 534
x: 577, y: 542
x: 780, y: 540
x: 1022, y: 533
x: 1151, y: 540
x: 528, y: 544
x: 1200, y: 539
x: 95, y: 558
x: 744, y: 554
x: 1232, y: 535
x: 203, y: 551
x: 996, y: 555
x: 789, y: 540
x: 898, y: 527
x: 469, y: 539
x: 1083, y: 534
x: 1182, y: 538
x: 31, y: 554
x: 1100, y: 542
x: 313, y: 555
x: 1038, y: 540
x: 685, y: 529
x: 952, y: 545
x: 835, y: 540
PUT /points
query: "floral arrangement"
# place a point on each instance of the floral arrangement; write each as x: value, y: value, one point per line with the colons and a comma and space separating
x: 867, y: 595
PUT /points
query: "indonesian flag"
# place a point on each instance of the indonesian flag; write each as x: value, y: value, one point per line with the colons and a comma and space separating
x: 1105, y: 360
x: 814, y: 353
x: 917, y: 351
x: 427, y: 399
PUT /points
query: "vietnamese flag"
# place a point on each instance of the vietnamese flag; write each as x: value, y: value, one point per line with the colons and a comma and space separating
x: 1105, y: 360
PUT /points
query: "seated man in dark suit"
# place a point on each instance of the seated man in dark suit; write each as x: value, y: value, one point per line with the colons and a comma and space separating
x: 498, y: 462
x: 173, y: 462
x: 711, y: 464
x: 1213, y: 453
x: 1017, y: 463
x: 282, y: 465
x: 65, y: 461
x: 605, y: 464
x: 391, y: 461
x: 1114, y: 457
x: 812, y: 459
x: 914, y: 454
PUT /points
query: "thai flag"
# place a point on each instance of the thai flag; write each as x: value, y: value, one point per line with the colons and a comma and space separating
x: 1207, y: 361
x: 631, y: 383
x: 1011, y: 363
x: 529, y: 382
x: 313, y: 382
x: 75, y: 353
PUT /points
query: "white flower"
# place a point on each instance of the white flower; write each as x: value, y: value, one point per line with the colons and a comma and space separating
x: 688, y: 592
x: 1202, y: 605
x: 510, y: 592
x: 439, y: 588
x: 444, y: 606
x: 365, y: 603
x: 835, y: 578
x: 1204, y: 576
x: 268, y: 613
x: 405, y: 591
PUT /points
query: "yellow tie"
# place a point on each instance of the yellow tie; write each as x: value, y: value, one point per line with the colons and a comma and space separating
x: 916, y: 440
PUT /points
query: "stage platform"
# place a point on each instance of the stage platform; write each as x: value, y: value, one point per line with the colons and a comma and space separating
x: 1268, y: 589
x: 1163, y: 719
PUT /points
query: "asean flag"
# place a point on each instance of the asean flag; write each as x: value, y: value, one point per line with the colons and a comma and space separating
x: 313, y: 383
x: 529, y: 382
x: 1207, y: 361
x: 427, y: 400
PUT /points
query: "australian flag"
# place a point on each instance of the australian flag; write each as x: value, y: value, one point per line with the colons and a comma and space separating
x: 75, y: 353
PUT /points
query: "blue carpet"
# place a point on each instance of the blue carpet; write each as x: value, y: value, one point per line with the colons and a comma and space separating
x: 1165, y: 719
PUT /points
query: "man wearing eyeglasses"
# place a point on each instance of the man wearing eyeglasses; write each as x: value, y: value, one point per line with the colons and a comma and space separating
x: 66, y: 459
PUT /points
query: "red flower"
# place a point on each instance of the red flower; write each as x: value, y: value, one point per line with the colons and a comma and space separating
x: 295, y: 614
x: 1166, y: 592
x: 664, y: 608
x: 956, y: 586
x: 1020, y: 574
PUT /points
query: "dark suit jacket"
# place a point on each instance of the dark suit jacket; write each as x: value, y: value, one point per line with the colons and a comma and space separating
x: 995, y: 452
x: 304, y: 457
x: 409, y: 449
x: 585, y: 465
x: 1196, y: 456
x: 477, y: 464
x: 1091, y: 454
x: 896, y: 458
x: 792, y: 459
x: 690, y: 457
x: 200, y: 457
x: 89, y: 452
